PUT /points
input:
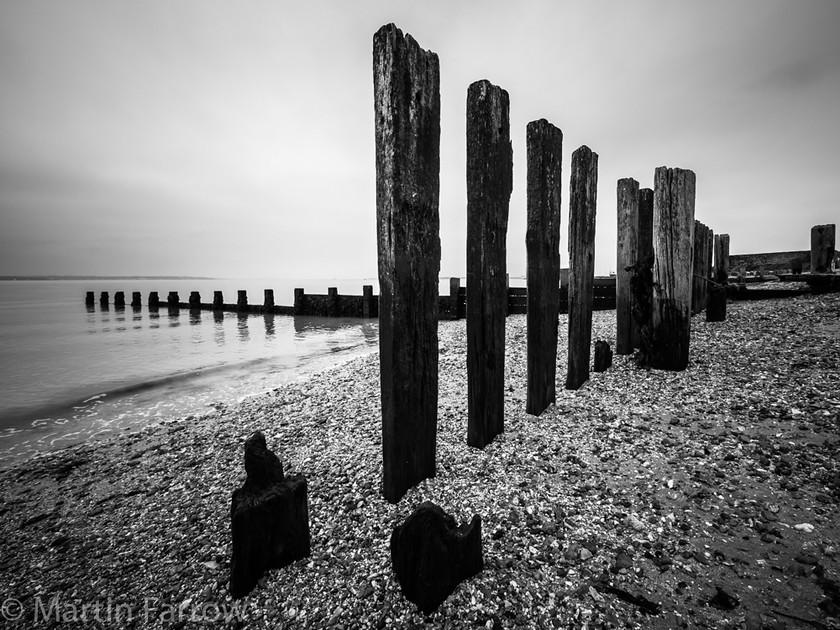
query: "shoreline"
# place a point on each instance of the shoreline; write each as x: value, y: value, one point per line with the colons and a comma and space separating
x: 667, y: 472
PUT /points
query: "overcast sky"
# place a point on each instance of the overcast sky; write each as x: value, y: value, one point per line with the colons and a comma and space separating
x: 236, y: 139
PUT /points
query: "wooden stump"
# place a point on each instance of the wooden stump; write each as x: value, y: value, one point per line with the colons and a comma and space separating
x: 431, y: 555
x: 822, y: 248
x: 673, y: 245
x: 582, y: 200
x: 542, y: 239
x: 268, y: 301
x: 195, y: 300
x: 489, y: 184
x: 136, y: 299
x: 154, y: 301
x: 119, y: 299
x: 626, y: 257
x: 218, y: 301
x: 603, y: 356
x: 716, y: 308
x: 407, y: 121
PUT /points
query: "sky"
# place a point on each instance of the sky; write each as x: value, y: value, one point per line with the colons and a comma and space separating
x: 236, y: 139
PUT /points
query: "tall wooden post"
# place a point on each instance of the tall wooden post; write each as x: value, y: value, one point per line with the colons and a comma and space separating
x: 673, y: 246
x: 242, y: 300
x: 642, y: 282
x: 822, y: 247
x: 332, y: 302
x: 542, y: 240
x: 406, y: 82
x: 721, y: 266
x: 583, y: 192
x: 268, y: 301
x: 697, y: 281
x: 489, y: 184
x: 454, y: 292
x: 218, y: 301
x: 626, y: 256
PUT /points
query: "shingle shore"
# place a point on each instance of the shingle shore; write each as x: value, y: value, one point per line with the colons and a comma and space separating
x: 661, y: 485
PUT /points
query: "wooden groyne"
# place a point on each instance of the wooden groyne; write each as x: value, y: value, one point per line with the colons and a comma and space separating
x: 451, y: 306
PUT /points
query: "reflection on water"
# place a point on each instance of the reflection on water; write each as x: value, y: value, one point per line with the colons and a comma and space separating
x: 242, y: 326
x: 269, y: 325
x: 195, y: 316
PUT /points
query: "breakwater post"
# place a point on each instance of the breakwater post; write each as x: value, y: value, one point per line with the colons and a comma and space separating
x: 154, y: 301
x: 642, y: 297
x: 136, y: 300
x: 626, y: 256
x: 103, y: 299
x: 173, y: 301
x: 195, y: 301
x: 406, y: 82
x: 700, y: 273
x: 454, y: 292
x: 300, y: 296
x: 822, y: 248
x: 218, y: 301
x: 489, y: 185
x: 673, y: 245
x: 241, y: 300
x: 368, y: 301
x: 90, y: 298
x: 716, y: 305
x: 583, y: 191
x: 119, y: 299
x: 544, y: 146
x: 268, y: 300
x: 332, y: 301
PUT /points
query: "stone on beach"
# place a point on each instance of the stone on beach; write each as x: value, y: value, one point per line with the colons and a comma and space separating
x: 431, y: 555
x: 269, y: 518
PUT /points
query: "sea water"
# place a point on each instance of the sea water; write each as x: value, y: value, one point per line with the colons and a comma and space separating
x: 70, y: 373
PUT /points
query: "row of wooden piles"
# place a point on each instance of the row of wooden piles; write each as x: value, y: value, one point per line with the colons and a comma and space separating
x: 656, y: 246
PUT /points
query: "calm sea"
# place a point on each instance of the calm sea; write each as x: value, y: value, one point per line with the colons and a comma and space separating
x: 69, y: 373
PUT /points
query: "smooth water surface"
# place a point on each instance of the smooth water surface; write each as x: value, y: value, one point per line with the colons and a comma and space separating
x: 69, y: 372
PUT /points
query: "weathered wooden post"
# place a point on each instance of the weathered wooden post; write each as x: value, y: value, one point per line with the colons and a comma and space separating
x: 90, y: 298
x: 173, y: 301
x: 454, y: 291
x: 822, y: 247
x: 242, y: 300
x: 368, y: 308
x: 642, y: 294
x: 583, y: 192
x: 673, y: 245
x: 332, y: 302
x: 300, y: 297
x: 119, y: 299
x: 489, y: 184
x: 218, y: 301
x: 542, y: 239
x: 103, y: 299
x: 268, y: 302
x: 697, y: 280
x: 154, y: 301
x: 721, y: 266
x: 406, y: 82
x: 136, y: 300
x: 626, y: 257
x: 195, y: 300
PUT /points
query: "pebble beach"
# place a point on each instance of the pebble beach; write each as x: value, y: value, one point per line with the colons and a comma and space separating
x: 705, y: 498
